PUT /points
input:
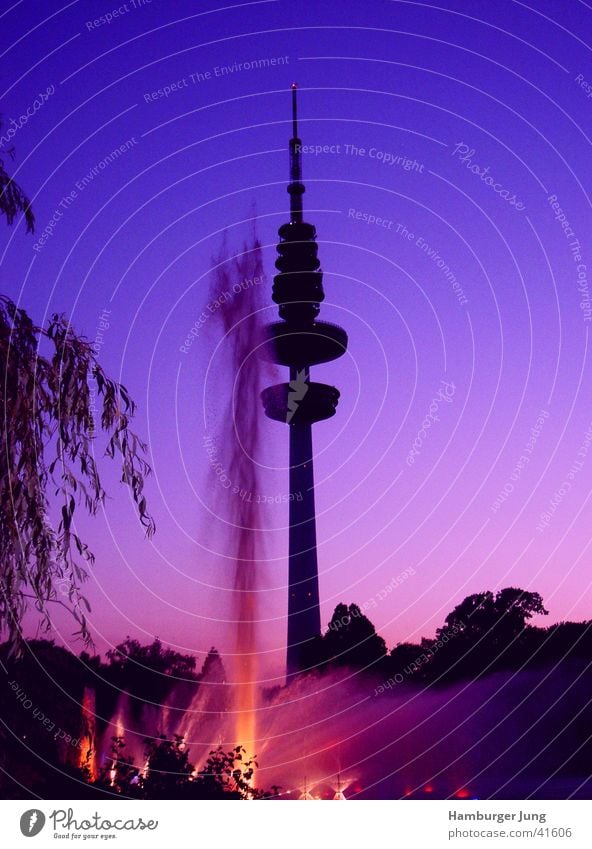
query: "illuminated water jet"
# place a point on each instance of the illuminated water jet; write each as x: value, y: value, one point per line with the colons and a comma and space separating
x: 238, y: 437
x: 88, y: 742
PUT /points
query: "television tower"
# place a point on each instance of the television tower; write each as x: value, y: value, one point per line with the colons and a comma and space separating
x: 300, y: 341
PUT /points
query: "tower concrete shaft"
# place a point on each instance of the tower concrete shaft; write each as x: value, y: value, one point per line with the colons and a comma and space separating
x: 298, y: 341
x: 304, y: 618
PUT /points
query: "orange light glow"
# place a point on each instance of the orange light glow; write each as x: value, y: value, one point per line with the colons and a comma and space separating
x: 119, y: 732
x: 88, y: 751
x: 246, y: 663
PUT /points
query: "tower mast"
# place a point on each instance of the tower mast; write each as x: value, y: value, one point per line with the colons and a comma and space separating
x: 298, y: 341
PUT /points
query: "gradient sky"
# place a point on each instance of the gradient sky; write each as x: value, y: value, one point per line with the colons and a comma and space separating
x: 508, y: 81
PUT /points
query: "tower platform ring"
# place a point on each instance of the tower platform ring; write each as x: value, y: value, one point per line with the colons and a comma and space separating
x: 303, y: 345
x: 300, y: 402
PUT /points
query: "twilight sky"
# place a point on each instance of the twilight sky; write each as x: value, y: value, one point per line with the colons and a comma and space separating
x: 461, y: 454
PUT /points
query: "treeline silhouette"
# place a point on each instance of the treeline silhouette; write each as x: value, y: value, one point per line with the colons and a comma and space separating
x: 487, y: 632
x: 42, y: 689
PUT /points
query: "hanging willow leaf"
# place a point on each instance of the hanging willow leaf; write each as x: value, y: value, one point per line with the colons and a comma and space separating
x: 48, y: 444
x: 13, y: 199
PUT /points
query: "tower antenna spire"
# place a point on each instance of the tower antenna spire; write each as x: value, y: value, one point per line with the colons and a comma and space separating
x: 295, y: 110
x: 296, y: 186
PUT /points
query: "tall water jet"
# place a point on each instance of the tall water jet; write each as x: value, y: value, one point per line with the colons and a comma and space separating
x: 236, y: 285
x: 298, y: 341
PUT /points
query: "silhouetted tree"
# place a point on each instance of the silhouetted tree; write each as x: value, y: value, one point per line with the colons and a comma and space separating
x: 486, y: 632
x: 499, y: 617
x: 152, y: 656
x: 403, y: 660
x: 351, y: 640
x: 47, y: 463
x: 226, y: 774
x: 148, y: 672
x: 167, y: 768
x: 40, y: 695
x: 169, y: 774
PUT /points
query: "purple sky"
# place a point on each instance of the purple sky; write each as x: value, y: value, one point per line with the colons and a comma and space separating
x: 470, y: 279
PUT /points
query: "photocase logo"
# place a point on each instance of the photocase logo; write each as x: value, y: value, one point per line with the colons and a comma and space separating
x: 298, y: 389
x: 32, y: 822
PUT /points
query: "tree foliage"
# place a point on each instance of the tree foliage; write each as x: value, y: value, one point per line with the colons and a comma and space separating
x: 350, y: 640
x: 169, y: 774
x: 486, y: 632
x: 148, y: 672
x: 153, y: 657
x: 13, y: 199
x: 48, y: 462
x: 497, y: 618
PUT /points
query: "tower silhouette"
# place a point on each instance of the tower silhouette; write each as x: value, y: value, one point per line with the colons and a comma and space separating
x: 300, y: 341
